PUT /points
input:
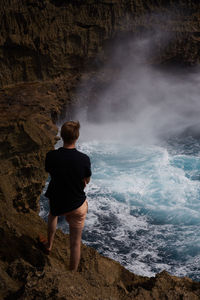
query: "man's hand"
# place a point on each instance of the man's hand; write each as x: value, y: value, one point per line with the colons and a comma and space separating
x: 86, y: 180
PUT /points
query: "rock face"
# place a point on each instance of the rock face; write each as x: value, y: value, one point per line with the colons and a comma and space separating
x: 26, y: 273
x: 42, y: 39
x: 45, y: 46
x: 27, y: 132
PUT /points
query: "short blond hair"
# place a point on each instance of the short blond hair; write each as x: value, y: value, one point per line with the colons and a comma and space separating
x: 70, y: 131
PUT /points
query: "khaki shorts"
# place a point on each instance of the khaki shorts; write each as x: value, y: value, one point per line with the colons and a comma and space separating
x: 76, y: 217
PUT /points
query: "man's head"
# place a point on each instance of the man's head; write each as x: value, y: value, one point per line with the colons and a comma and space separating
x: 70, y: 132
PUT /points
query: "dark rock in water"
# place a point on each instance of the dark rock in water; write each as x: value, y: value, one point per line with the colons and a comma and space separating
x: 54, y: 41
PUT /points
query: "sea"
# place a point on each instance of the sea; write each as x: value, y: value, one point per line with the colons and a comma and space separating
x: 140, y: 126
x: 144, y: 204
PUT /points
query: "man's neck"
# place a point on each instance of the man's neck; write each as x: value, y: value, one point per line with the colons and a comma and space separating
x: 71, y: 146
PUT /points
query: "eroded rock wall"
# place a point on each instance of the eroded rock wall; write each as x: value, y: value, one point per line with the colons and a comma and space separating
x: 28, y: 112
x: 42, y: 39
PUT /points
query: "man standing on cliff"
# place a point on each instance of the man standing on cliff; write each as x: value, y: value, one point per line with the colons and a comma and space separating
x: 70, y: 171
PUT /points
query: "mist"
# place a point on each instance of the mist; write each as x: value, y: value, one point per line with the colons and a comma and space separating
x: 131, y: 99
x: 144, y: 193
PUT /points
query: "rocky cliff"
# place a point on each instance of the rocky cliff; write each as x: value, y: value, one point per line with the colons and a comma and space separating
x: 42, y: 39
x: 45, y: 47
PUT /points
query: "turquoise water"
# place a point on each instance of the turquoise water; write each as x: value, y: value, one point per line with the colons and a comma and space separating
x: 137, y: 123
x: 144, y: 205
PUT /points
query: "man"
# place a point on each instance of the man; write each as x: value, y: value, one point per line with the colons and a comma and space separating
x: 70, y: 171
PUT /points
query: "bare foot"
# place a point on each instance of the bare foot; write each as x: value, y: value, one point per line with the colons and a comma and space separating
x: 43, y: 242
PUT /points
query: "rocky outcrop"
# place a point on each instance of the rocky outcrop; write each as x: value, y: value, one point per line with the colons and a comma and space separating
x: 27, y: 273
x: 27, y: 133
x: 45, y: 46
x: 42, y: 39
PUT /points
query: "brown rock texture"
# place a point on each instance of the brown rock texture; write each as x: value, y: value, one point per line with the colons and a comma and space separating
x: 26, y: 273
x: 45, y: 47
x: 27, y: 133
x: 41, y: 39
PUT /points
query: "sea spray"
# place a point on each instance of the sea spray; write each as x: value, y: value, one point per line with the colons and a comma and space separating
x: 140, y: 128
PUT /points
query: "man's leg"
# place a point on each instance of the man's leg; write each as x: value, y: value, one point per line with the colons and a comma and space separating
x: 75, y: 247
x: 52, y: 223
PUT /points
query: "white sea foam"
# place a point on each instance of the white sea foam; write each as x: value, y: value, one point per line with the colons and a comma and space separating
x: 142, y: 206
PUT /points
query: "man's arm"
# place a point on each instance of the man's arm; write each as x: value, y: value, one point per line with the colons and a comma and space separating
x: 88, y: 172
x: 48, y: 161
x: 86, y: 180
